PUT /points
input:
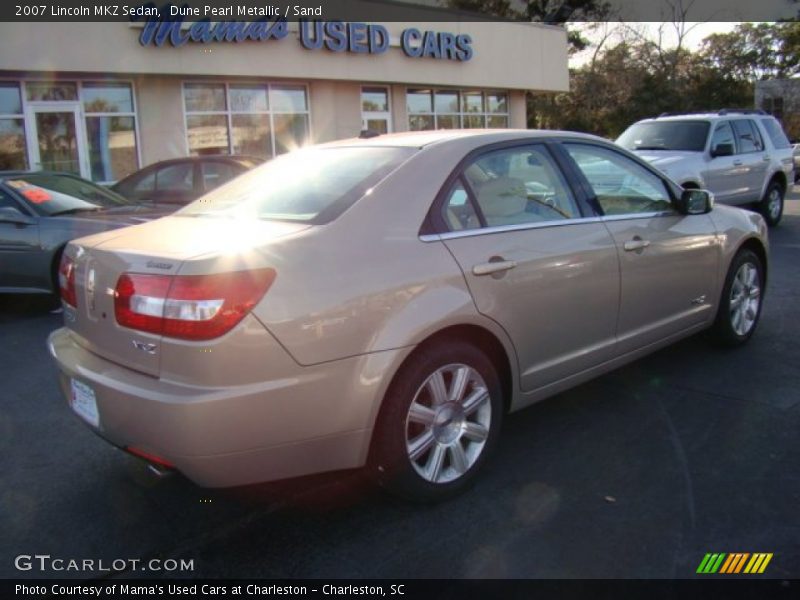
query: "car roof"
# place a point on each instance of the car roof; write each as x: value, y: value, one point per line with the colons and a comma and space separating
x: 709, y: 116
x: 421, y: 139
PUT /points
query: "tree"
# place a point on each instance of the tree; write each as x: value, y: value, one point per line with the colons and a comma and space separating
x: 754, y: 51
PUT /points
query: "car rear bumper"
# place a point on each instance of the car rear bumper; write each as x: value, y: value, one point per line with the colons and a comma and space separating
x: 311, y: 420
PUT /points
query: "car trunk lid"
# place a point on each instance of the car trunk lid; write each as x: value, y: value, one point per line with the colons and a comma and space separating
x: 155, y: 248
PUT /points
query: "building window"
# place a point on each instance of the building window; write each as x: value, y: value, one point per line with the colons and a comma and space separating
x: 773, y: 106
x: 110, y: 129
x: 453, y: 109
x: 256, y: 119
x: 13, y: 154
x: 376, y: 114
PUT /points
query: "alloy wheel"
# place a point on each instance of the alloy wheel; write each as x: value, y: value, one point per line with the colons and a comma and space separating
x: 448, y: 423
x: 745, y: 298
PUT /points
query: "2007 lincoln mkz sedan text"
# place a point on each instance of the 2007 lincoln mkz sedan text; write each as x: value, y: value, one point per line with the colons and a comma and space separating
x: 384, y: 302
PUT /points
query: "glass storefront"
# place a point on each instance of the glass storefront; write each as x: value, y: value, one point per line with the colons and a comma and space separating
x: 82, y: 127
x: 261, y: 120
x: 455, y: 109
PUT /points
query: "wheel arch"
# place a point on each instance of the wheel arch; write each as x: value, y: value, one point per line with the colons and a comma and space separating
x: 483, y: 339
x: 756, y: 246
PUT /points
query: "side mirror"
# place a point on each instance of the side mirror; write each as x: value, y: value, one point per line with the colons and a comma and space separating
x: 695, y: 202
x: 722, y: 150
x: 12, y: 215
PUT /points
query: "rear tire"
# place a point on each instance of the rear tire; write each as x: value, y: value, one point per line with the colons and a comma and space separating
x: 439, y: 422
x: 740, y: 305
x: 771, y: 206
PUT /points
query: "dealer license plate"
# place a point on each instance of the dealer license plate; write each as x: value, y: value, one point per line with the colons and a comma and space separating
x: 84, y: 403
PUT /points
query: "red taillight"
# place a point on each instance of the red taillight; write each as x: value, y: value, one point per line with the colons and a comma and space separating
x: 66, y: 280
x: 191, y: 307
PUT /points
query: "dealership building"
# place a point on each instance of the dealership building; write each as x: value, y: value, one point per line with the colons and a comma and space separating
x: 104, y: 99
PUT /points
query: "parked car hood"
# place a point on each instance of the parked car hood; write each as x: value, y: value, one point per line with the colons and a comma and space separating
x: 664, y: 159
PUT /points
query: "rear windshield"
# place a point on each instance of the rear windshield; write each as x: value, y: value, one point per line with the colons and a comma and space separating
x: 313, y: 185
x: 53, y: 194
x: 779, y: 139
x: 688, y: 136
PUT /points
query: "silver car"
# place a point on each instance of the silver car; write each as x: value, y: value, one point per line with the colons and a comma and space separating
x: 742, y: 156
x: 383, y: 303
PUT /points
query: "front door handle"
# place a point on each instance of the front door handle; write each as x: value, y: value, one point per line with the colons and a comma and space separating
x: 635, y: 244
x: 737, y: 163
x: 493, y: 267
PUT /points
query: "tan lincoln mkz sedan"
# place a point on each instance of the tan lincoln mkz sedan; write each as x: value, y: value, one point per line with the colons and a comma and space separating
x: 384, y: 302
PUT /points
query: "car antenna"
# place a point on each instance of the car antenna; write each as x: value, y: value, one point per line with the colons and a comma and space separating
x: 368, y: 133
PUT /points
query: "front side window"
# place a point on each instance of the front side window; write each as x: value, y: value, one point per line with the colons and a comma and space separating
x: 513, y: 186
x: 261, y: 120
x: 723, y: 136
x: 621, y: 186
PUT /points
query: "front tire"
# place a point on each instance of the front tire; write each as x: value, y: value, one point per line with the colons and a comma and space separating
x: 440, y: 420
x: 740, y: 305
x: 771, y: 206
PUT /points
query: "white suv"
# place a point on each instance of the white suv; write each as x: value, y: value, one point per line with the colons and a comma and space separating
x: 742, y: 156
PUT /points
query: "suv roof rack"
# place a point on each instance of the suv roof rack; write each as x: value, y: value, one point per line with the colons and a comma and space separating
x: 742, y: 111
x: 721, y: 112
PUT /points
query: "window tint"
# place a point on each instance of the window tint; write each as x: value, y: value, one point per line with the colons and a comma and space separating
x: 621, y: 185
x: 7, y: 201
x: 689, y: 136
x: 459, y: 212
x: 723, y: 134
x: 520, y: 185
x: 216, y: 173
x: 175, y: 178
x: 144, y: 185
x: 745, y: 137
x: 775, y: 133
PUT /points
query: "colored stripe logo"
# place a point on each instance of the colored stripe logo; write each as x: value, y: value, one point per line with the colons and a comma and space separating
x: 734, y: 563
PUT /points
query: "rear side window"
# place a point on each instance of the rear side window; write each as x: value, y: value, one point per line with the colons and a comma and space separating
x: 747, y: 137
x: 776, y: 134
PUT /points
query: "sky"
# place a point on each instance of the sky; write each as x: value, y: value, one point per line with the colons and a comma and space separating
x: 692, y: 40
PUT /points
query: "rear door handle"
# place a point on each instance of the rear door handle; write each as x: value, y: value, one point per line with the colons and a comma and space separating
x: 635, y: 245
x: 493, y: 267
x: 737, y: 163
x: 767, y: 158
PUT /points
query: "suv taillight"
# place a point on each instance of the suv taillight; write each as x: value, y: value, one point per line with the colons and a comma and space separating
x: 66, y: 280
x: 190, y: 307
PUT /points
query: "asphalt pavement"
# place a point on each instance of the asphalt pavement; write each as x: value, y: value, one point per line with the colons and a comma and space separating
x: 637, y: 474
